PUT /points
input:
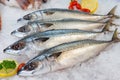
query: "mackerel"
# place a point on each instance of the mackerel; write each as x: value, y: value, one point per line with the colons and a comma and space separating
x: 50, y: 38
x: 57, y: 13
x: 65, y: 55
x: 40, y: 26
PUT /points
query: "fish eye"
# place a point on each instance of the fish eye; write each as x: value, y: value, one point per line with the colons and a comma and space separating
x: 31, y: 66
x: 18, y: 46
x: 24, y: 29
x: 27, y: 17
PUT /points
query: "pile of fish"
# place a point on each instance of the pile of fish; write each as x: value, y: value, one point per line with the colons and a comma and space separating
x: 24, y: 4
x: 63, y: 38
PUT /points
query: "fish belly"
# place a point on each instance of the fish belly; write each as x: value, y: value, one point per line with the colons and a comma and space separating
x: 54, y: 41
x: 62, y: 15
x: 79, y: 55
x: 81, y: 26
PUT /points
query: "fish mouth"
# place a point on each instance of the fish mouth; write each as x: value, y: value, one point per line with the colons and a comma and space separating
x: 20, y: 71
x: 11, y: 51
x: 23, y: 72
x: 20, y: 19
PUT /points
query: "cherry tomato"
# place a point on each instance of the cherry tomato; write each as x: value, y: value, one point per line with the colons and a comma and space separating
x: 85, y: 10
x: 74, y: 2
x: 78, y: 6
x: 71, y: 7
x: 20, y: 66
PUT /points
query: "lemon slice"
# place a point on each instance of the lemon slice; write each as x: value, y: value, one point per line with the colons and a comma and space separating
x: 90, y: 4
x: 8, y: 72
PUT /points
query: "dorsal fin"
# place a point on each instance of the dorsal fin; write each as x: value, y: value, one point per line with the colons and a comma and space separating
x: 42, y: 39
x: 56, y: 54
x: 48, y: 24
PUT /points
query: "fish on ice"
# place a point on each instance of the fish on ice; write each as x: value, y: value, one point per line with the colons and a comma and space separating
x: 50, y: 38
x: 65, y: 55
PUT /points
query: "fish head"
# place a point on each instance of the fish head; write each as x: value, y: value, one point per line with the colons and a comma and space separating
x: 28, y: 17
x: 15, y: 48
x: 29, y: 69
x: 34, y: 68
x: 22, y: 31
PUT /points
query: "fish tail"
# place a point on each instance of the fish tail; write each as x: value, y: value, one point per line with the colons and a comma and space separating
x: 115, y: 36
x: 112, y: 13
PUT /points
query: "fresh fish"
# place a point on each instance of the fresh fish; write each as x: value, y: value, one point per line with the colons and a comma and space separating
x: 38, y: 25
x: 56, y: 13
x: 65, y: 55
x: 51, y: 38
x: 24, y: 4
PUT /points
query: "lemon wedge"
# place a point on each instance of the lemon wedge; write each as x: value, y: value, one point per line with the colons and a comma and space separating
x: 92, y: 5
x: 8, y: 72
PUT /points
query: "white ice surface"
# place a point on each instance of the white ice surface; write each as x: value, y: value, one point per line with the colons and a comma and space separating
x: 106, y: 66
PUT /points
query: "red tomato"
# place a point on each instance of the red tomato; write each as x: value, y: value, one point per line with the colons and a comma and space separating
x: 74, y: 3
x: 78, y: 6
x: 71, y: 7
x: 85, y: 10
x: 20, y: 66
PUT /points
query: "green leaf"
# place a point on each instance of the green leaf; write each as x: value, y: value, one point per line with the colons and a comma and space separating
x: 9, y: 64
x: 1, y: 67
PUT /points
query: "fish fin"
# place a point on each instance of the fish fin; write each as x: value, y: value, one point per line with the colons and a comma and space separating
x: 49, y: 12
x: 106, y: 27
x: 115, y: 24
x: 56, y: 54
x: 48, y: 24
x: 112, y: 12
x: 42, y: 39
x: 53, y: 56
x: 115, y: 36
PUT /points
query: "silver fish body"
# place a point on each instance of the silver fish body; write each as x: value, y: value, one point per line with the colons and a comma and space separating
x: 38, y: 25
x: 50, y: 38
x: 65, y: 55
x: 69, y: 54
x: 56, y: 13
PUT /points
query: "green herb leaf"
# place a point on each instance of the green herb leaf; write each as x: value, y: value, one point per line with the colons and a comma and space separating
x: 1, y: 67
x: 9, y: 64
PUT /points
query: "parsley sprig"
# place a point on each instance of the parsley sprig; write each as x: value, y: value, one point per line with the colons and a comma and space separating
x: 7, y: 64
